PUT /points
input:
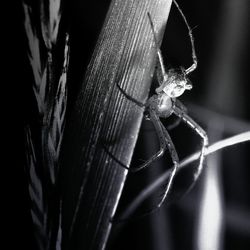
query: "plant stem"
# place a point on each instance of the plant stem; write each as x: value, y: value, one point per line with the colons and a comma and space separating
x: 240, y: 138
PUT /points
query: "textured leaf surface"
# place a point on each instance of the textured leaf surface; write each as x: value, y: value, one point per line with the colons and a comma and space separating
x: 104, y: 124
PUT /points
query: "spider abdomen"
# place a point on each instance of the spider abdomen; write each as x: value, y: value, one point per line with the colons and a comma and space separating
x: 162, y: 104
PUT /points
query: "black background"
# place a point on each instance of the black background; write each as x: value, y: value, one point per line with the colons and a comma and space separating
x: 84, y: 21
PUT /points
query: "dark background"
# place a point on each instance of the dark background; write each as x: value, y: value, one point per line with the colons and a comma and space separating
x: 221, y: 84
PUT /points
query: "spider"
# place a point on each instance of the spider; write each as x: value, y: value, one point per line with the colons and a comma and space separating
x: 164, y: 103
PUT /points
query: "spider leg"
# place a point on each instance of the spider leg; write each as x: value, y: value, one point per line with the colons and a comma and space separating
x: 140, y: 104
x: 163, y: 144
x: 179, y: 111
x: 159, y: 54
x: 174, y: 124
x: 181, y: 106
x: 194, y: 57
x: 178, y: 121
x: 175, y: 159
x: 173, y: 153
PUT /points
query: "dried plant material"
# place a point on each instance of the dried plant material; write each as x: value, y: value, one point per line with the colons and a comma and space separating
x: 50, y: 92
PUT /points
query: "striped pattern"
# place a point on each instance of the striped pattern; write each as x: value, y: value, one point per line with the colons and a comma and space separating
x: 50, y: 91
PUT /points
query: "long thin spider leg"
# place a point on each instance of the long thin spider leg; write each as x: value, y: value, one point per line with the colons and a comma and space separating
x: 165, y: 141
x: 183, y: 108
x: 175, y: 124
x: 192, y: 124
x: 159, y: 54
x: 194, y: 57
x: 175, y: 159
x: 163, y: 145
x: 140, y: 104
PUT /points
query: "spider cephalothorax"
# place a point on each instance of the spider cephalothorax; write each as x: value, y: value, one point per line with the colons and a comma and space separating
x: 174, y: 83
